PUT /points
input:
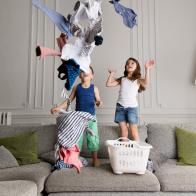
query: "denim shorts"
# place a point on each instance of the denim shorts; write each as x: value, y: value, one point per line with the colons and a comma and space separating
x: 129, y: 115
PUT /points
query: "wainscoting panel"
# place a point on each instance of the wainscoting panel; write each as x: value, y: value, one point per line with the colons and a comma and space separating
x: 30, y: 87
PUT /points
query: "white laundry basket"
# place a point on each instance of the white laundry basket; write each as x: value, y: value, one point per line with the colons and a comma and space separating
x: 128, y: 156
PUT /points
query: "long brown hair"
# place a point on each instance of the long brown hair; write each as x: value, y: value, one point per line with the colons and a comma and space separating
x: 136, y: 74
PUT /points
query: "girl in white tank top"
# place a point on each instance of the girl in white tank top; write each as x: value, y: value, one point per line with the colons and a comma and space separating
x: 128, y: 93
x: 127, y: 104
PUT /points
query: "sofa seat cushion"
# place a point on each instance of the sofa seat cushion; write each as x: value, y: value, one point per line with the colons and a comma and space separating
x: 34, y: 172
x: 18, y: 188
x: 173, y: 177
x: 99, y: 179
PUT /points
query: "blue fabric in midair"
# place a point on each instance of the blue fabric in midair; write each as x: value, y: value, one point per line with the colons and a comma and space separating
x: 59, y: 20
x: 129, y: 16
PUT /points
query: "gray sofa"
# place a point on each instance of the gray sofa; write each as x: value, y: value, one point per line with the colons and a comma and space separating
x: 37, y: 179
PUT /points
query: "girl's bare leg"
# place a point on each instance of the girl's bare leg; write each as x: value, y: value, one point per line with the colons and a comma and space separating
x: 123, y: 129
x: 134, y: 131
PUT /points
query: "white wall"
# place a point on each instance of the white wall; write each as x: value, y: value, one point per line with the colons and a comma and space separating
x: 166, y: 30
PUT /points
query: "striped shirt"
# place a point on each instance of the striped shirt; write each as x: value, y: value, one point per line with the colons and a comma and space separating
x: 70, y: 127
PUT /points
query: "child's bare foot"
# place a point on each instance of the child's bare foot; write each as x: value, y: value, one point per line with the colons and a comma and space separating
x: 96, y: 163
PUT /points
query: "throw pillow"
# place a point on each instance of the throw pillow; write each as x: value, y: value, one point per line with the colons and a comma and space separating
x: 7, y: 159
x: 23, y: 146
x: 186, y: 146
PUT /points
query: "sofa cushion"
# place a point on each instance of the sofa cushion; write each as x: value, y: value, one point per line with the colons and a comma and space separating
x: 46, y: 134
x: 173, y: 177
x: 23, y: 146
x: 47, y: 138
x: 48, y: 157
x: 186, y: 146
x: 99, y: 179
x: 157, y: 158
x: 18, y: 188
x: 7, y: 159
x: 162, y: 138
x: 109, y: 132
x: 35, y: 172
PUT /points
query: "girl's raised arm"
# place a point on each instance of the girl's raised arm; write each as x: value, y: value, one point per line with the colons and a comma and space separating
x: 111, y: 81
x: 144, y: 81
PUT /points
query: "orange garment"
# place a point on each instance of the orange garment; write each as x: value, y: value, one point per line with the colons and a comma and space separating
x: 71, y: 156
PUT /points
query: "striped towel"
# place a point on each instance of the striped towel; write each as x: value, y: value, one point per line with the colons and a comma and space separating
x: 70, y: 127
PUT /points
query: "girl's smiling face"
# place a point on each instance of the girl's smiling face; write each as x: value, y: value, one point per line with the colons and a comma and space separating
x: 131, y: 66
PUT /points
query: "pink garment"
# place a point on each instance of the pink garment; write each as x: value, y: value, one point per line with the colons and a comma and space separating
x: 71, y: 156
x: 43, y: 51
x: 62, y: 40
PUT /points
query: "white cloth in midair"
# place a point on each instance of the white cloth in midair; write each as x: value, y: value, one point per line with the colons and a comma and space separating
x: 70, y: 127
x: 80, y: 51
x: 84, y: 44
x: 88, y: 10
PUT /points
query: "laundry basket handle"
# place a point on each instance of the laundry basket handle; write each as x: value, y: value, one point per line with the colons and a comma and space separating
x: 128, y: 140
x: 124, y: 138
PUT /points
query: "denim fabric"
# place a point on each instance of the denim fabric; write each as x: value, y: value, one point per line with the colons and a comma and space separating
x: 129, y: 115
x: 129, y: 16
x: 59, y: 20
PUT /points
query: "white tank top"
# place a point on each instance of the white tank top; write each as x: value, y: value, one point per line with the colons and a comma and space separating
x: 128, y: 93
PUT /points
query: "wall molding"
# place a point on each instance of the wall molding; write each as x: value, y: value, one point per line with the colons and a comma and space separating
x: 144, y: 43
x: 25, y: 103
x: 167, y: 118
x: 30, y: 56
x: 144, y: 47
x: 23, y: 106
x: 40, y: 63
x: 161, y: 105
x: 105, y: 118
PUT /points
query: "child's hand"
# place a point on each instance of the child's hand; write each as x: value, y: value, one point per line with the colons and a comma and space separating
x: 149, y: 64
x: 111, y: 71
x: 99, y: 103
x: 55, y: 110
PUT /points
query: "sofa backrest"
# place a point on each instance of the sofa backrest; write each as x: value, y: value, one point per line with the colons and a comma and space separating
x: 47, y: 136
x: 162, y: 137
